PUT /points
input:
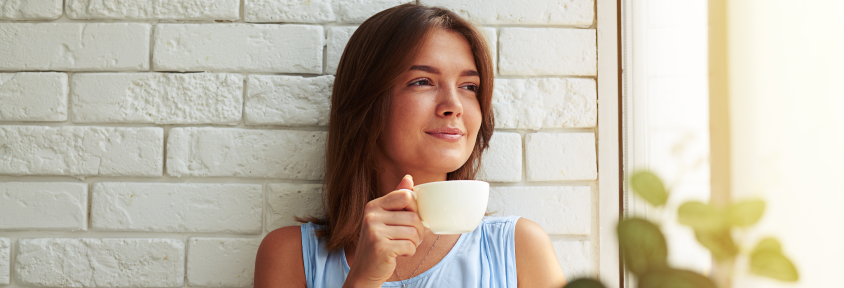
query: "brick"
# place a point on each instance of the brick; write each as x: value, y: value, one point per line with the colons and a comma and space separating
x: 221, y: 262
x: 246, y: 153
x: 238, y: 47
x: 574, y: 257
x: 561, y: 156
x: 177, y: 207
x: 75, y: 46
x: 43, y: 206
x: 537, y: 12
x: 81, y: 151
x: 88, y: 262
x: 538, y: 103
x: 502, y: 161
x: 288, y: 100
x: 547, y: 51
x: 290, y: 11
x: 284, y: 201
x: 338, y: 37
x: 357, y: 11
x: 30, y: 9
x: 160, y: 98
x: 152, y: 9
x: 33, y: 96
x: 559, y: 210
x: 315, y: 11
x: 5, y: 261
x: 492, y: 40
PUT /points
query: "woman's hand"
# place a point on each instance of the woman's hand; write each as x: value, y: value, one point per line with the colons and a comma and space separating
x: 391, y: 227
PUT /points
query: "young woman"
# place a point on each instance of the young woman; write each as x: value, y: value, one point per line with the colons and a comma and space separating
x: 412, y: 96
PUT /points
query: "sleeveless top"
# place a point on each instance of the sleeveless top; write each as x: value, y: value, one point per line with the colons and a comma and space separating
x: 485, y: 257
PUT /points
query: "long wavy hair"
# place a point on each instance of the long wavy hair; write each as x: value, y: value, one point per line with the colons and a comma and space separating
x: 377, y: 54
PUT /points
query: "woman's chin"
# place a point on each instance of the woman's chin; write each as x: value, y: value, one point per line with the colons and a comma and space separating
x: 446, y: 162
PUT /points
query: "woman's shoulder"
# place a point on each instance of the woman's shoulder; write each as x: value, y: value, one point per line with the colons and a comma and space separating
x: 279, y: 259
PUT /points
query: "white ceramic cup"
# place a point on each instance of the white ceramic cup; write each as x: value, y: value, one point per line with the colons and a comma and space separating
x: 451, y: 207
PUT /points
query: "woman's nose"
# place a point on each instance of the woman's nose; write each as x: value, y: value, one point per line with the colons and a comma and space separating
x: 450, y: 103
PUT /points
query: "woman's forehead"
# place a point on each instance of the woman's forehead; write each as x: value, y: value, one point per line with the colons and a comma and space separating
x: 445, y: 49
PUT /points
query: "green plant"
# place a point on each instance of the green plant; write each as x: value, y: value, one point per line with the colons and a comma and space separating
x: 645, y: 252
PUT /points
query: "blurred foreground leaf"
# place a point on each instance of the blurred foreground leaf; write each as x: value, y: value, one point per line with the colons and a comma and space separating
x: 649, y: 187
x: 774, y: 265
x: 674, y: 278
x: 642, y: 245
x: 720, y: 243
x: 584, y: 283
x: 700, y: 216
x: 767, y: 260
x: 745, y: 213
x: 768, y: 244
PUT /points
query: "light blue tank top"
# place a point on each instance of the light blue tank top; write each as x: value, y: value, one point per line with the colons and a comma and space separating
x: 485, y: 257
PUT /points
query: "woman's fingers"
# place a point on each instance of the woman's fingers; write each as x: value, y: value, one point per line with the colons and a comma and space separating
x: 397, y: 200
x: 402, y: 233
x: 406, y: 218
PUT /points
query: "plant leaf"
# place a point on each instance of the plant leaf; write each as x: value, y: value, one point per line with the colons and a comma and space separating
x: 700, y: 216
x: 774, y: 265
x: 642, y: 245
x: 649, y: 187
x: 674, y: 278
x: 768, y: 244
x: 720, y: 243
x: 584, y: 283
x: 745, y: 213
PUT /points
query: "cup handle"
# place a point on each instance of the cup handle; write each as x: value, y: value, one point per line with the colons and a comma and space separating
x: 414, y: 198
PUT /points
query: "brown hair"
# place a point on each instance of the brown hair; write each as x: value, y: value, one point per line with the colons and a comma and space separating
x: 377, y: 54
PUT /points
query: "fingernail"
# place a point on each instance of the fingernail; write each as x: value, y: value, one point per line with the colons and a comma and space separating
x: 408, y: 176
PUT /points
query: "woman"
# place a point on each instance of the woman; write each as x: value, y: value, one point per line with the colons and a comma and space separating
x: 412, y: 96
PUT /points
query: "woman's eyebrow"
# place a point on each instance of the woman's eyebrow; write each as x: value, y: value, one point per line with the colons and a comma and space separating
x: 434, y: 70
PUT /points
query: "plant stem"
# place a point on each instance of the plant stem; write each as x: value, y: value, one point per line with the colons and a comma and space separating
x: 722, y: 273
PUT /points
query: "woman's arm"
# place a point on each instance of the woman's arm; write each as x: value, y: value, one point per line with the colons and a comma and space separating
x: 279, y: 260
x: 536, y: 261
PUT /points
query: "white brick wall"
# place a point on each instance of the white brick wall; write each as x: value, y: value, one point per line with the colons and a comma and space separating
x: 248, y: 153
x: 561, y: 156
x: 183, y: 131
x: 238, y: 47
x: 30, y: 10
x: 60, y: 262
x: 151, y: 9
x: 205, y: 256
x: 542, y: 12
x: 176, y: 207
x: 81, y: 151
x: 548, y: 51
x: 43, y: 206
x: 161, y: 98
x: 288, y: 100
x: 286, y: 200
x: 33, y: 96
x: 558, y: 209
x: 75, y: 46
x: 5, y: 258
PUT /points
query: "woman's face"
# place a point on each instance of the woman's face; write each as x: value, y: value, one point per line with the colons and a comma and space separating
x: 435, y: 115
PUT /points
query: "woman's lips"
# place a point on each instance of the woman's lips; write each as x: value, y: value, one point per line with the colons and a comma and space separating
x: 446, y: 136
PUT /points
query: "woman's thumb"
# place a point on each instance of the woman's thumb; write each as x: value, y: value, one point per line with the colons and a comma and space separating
x: 406, y: 183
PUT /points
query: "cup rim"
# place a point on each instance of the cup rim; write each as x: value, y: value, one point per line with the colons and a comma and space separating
x: 451, y: 181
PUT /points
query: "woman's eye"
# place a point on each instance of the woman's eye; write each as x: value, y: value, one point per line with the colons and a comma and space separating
x: 420, y: 82
x: 473, y: 88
